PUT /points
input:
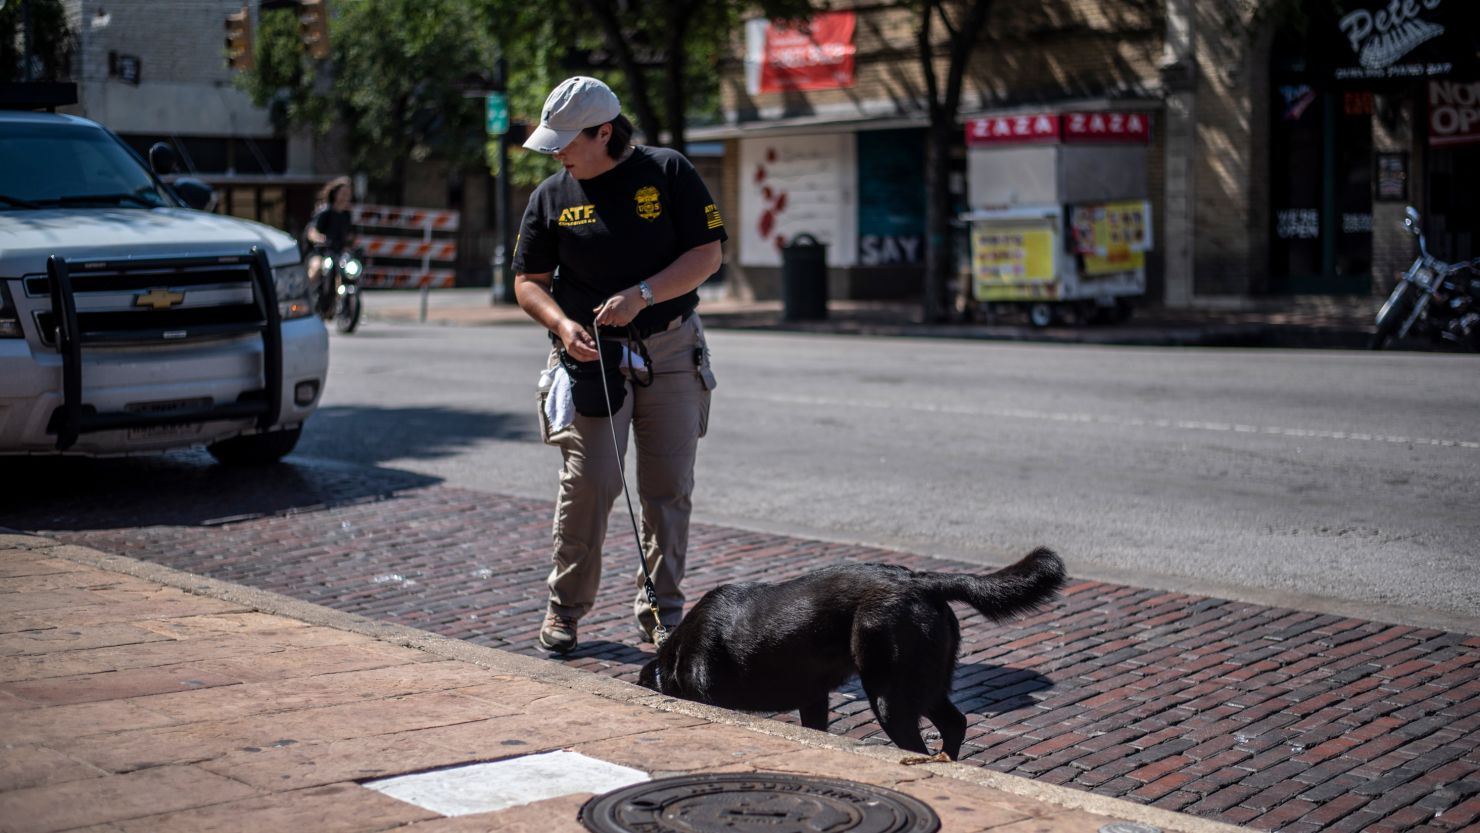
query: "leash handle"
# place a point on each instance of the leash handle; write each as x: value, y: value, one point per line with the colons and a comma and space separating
x: 660, y: 633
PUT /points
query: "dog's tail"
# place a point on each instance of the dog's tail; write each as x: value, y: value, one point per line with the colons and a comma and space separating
x: 1017, y: 588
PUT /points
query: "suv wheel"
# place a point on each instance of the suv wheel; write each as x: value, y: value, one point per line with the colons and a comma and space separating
x: 255, y: 449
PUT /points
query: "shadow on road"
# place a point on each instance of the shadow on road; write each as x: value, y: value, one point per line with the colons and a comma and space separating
x: 375, y: 435
x: 180, y: 489
x: 987, y: 689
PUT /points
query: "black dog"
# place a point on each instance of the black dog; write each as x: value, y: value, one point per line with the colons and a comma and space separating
x: 777, y: 647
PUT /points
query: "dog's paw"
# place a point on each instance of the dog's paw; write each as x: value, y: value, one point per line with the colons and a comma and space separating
x: 937, y: 758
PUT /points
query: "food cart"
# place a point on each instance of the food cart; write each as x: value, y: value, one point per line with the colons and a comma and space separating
x: 1059, y: 216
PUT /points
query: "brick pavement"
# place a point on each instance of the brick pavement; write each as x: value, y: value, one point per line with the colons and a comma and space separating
x: 1272, y: 718
x: 138, y: 699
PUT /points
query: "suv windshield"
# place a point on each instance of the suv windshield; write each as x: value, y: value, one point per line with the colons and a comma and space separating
x: 76, y: 165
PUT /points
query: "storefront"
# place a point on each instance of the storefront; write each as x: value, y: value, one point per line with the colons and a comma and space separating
x: 1373, y: 107
x: 861, y: 193
x: 1060, y: 213
x: 823, y: 155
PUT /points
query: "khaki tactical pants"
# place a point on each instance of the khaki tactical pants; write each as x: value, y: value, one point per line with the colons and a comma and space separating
x: 666, y: 419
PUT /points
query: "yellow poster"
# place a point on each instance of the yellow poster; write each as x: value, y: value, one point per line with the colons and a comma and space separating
x: 1118, y: 259
x: 1112, y: 237
x: 1012, y: 262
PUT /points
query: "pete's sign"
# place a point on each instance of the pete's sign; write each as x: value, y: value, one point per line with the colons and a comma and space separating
x: 1059, y: 127
x: 1454, y: 113
x: 1383, y: 36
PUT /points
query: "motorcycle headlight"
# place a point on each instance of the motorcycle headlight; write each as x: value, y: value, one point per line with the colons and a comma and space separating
x: 293, y: 291
x: 1425, y: 277
x: 352, y: 267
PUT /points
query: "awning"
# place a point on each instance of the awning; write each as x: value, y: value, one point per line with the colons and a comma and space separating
x: 804, y: 125
x: 819, y: 123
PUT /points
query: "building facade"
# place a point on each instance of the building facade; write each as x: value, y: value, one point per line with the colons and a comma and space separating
x: 157, y: 71
x: 1285, y: 138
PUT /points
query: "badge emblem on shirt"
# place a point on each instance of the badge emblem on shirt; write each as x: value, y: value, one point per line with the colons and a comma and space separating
x: 648, y: 207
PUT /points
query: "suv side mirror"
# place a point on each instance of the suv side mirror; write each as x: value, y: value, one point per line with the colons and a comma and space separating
x: 1410, y: 220
x: 195, y: 193
x: 162, y: 158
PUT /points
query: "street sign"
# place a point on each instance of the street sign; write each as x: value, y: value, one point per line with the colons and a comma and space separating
x: 498, y: 114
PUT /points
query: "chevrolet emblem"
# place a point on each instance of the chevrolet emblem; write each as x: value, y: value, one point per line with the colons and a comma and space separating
x: 159, y: 299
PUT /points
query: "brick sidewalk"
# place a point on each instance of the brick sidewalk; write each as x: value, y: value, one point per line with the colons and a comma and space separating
x: 1272, y: 718
x: 136, y: 699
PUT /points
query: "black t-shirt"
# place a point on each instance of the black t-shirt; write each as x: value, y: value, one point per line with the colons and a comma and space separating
x: 611, y: 231
x: 334, y: 225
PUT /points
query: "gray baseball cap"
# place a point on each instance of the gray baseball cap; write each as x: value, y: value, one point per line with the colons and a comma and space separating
x: 578, y: 103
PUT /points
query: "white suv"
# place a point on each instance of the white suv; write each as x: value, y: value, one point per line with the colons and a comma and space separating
x: 130, y: 322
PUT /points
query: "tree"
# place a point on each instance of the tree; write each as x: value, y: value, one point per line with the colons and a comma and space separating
x: 50, y: 40
x: 963, y: 23
x: 392, y: 82
x: 674, y: 45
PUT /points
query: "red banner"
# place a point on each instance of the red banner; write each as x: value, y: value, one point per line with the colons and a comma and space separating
x: 819, y: 57
x: 1033, y: 127
x: 1454, y: 113
x: 1056, y: 127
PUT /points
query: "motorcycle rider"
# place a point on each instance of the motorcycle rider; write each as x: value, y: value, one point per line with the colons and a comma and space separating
x: 328, y: 233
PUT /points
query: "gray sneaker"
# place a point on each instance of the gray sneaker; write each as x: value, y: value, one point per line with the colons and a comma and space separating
x: 558, y: 634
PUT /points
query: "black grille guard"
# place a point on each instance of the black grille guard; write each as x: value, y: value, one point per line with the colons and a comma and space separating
x: 74, y: 418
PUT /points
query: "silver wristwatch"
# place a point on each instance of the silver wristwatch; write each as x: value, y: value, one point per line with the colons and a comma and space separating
x: 646, y: 292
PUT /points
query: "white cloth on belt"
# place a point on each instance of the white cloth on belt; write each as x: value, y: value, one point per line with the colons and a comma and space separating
x: 560, y: 409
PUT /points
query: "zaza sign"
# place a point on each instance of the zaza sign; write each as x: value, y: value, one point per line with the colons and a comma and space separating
x: 1097, y: 126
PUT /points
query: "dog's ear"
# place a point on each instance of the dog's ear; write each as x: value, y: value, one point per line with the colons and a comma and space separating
x: 648, y: 676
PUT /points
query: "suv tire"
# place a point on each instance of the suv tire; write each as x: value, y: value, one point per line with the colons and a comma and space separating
x: 255, y: 449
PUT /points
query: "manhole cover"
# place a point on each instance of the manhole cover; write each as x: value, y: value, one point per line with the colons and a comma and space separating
x: 774, y: 803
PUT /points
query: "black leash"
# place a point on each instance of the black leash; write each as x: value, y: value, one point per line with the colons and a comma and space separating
x: 660, y: 633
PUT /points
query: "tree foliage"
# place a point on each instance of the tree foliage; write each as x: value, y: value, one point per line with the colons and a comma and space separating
x: 391, y: 82
x: 50, y: 40
x: 668, y: 52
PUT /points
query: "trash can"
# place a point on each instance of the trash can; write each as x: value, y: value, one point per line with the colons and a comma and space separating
x: 804, y: 279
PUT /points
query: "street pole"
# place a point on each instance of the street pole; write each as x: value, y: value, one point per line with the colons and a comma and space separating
x: 505, y: 279
x: 26, y: 36
x: 505, y: 222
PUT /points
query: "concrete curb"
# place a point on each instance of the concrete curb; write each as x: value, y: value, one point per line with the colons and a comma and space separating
x: 1171, y: 335
x: 500, y: 661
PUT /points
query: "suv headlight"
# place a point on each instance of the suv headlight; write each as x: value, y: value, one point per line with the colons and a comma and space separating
x: 292, y: 291
x: 10, y: 320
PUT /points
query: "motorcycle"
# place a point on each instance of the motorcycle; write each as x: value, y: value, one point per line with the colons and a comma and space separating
x: 339, y: 280
x: 1434, y: 299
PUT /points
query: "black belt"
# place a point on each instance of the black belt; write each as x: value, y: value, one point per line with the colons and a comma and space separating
x: 644, y: 332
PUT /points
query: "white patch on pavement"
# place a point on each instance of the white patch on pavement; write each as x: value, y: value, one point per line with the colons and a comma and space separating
x: 483, y: 788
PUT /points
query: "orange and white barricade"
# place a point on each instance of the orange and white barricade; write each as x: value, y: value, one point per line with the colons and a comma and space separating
x: 406, y: 248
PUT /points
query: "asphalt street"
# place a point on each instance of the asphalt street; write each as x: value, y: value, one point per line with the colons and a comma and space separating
x: 1343, y: 480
